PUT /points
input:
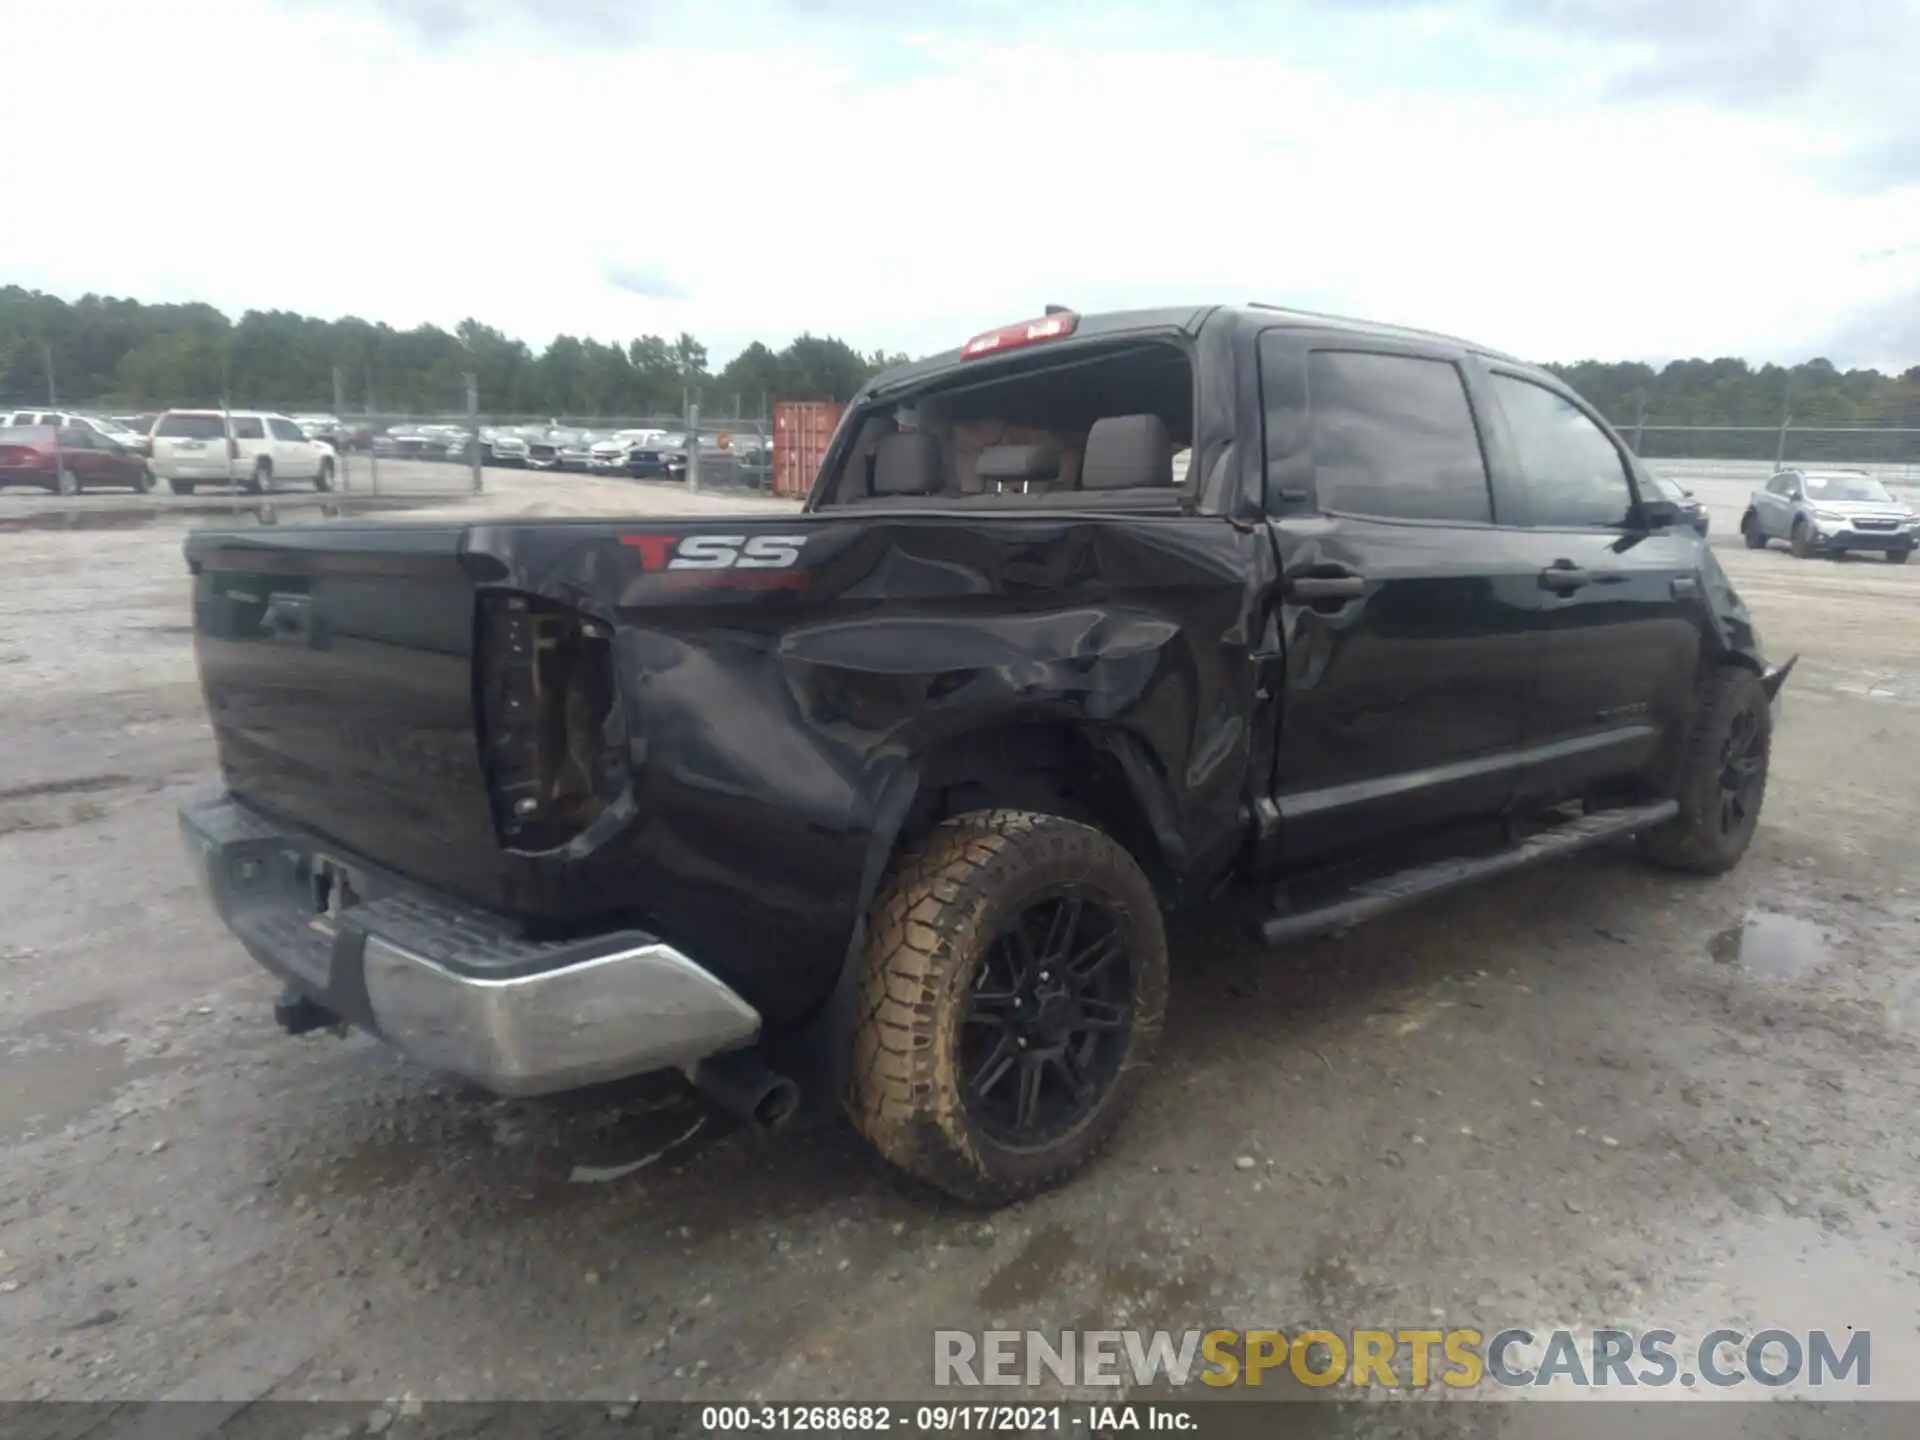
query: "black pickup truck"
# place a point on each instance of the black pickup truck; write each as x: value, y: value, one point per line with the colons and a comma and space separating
x: 1095, y: 618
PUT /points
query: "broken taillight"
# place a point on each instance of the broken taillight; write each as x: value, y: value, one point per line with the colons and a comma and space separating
x: 1027, y: 332
x: 548, y: 725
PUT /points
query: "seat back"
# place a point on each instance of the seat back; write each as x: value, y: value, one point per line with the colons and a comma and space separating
x: 906, y: 463
x: 1127, y: 452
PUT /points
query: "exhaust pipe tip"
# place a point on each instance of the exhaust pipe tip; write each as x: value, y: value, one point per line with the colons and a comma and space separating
x: 742, y: 1085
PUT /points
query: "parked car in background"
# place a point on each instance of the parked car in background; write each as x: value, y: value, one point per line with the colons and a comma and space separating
x: 407, y: 441
x: 545, y: 452
x: 1830, y: 512
x: 140, y: 425
x: 446, y: 442
x: 100, y: 426
x: 1690, y: 508
x: 330, y: 428
x: 576, y: 452
x: 614, y: 454
x: 649, y: 459
x: 501, y: 445
x: 253, y: 449
x: 66, y: 460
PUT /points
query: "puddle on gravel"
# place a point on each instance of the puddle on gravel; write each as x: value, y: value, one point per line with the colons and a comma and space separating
x: 1772, y: 946
x: 262, y: 512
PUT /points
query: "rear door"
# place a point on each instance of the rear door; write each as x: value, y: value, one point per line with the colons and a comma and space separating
x: 1621, y: 607
x: 117, y: 465
x: 250, y: 437
x: 83, y: 454
x: 1406, y: 609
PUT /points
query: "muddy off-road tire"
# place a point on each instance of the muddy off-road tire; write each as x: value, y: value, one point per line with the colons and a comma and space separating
x: 1722, y: 777
x: 1009, y: 1003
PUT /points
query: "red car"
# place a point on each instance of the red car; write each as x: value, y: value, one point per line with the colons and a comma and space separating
x: 67, y: 461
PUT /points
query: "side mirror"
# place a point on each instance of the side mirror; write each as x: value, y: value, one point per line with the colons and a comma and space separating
x: 1658, y: 514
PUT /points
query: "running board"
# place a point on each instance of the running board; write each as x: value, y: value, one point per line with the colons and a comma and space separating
x: 1389, y: 892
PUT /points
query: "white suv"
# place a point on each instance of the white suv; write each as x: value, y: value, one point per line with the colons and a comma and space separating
x: 252, y: 449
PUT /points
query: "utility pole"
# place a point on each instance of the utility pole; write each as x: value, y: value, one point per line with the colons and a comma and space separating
x: 693, y: 444
x: 344, y: 442
x: 1639, y: 422
x: 373, y: 450
x: 473, y: 426
x: 46, y: 362
x: 1786, y: 420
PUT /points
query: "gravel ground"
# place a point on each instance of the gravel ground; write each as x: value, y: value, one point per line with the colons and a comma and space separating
x: 1593, y: 1093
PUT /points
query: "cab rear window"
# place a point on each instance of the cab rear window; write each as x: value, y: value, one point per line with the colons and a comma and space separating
x: 191, y: 427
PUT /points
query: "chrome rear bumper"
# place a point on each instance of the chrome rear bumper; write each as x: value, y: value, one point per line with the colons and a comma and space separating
x: 453, y: 987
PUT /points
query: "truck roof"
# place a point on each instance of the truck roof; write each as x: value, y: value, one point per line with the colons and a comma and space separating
x: 1118, y: 324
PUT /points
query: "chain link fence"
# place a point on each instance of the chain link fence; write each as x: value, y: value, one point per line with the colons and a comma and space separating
x: 1890, y: 453
x: 402, y: 452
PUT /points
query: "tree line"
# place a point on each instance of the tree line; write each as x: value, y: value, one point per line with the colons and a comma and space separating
x: 114, y: 352
x: 103, y: 351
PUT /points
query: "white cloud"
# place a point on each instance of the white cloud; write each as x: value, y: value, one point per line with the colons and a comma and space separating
x: 329, y: 161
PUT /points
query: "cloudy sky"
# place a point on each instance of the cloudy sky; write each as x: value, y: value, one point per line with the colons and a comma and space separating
x: 1561, y: 178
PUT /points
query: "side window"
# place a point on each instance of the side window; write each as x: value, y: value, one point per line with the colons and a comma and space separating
x: 1574, y: 474
x: 1393, y: 436
x: 248, y: 427
x: 285, y: 430
x: 77, y: 437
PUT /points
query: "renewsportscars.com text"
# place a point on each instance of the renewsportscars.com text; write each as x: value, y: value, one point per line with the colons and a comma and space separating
x: 1408, y: 1359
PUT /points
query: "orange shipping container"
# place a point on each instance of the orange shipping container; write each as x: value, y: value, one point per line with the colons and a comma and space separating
x: 802, y: 430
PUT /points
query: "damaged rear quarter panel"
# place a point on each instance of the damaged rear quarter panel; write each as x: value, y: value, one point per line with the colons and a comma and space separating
x: 777, y: 714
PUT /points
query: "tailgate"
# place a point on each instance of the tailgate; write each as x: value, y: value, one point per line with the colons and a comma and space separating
x: 337, y: 666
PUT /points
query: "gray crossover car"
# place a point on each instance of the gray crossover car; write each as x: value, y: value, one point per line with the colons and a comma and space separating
x: 1830, y: 512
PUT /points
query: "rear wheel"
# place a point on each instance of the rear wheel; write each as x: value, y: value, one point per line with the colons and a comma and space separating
x: 1802, y: 541
x: 1899, y: 557
x: 180, y: 487
x: 323, y: 482
x: 261, y: 480
x: 1755, y: 537
x: 1722, y: 777
x: 144, y: 484
x: 1011, y: 996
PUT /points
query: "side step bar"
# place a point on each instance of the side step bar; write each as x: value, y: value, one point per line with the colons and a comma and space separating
x: 1391, y: 892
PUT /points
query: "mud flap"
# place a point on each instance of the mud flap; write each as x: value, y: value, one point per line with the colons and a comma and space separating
x: 1771, y: 682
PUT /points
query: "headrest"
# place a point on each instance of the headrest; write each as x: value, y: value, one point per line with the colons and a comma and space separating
x: 1017, y: 464
x: 906, y: 463
x: 1125, y: 452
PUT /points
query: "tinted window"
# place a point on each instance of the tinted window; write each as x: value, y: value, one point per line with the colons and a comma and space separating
x: 1575, y: 476
x: 190, y: 427
x: 1392, y: 436
x: 248, y: 427
x: 1781, y: 484
x: 77, y: 437
x: 285, y: 430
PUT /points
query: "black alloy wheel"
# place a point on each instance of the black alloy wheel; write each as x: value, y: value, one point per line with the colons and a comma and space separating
x: 1045, y: 1028
x: 1742, y: 771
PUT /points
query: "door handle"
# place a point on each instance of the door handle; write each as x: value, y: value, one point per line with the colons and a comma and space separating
x: 1563, y: 577
x: 1326, y: 587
